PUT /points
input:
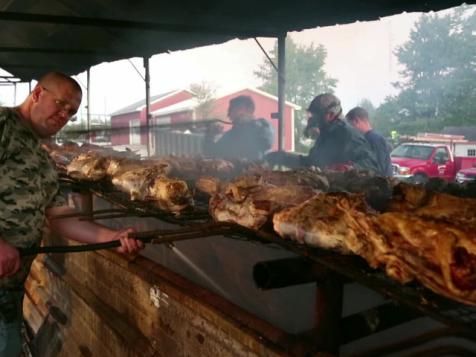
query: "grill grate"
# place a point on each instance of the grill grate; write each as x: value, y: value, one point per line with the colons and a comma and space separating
x: 451, y: 313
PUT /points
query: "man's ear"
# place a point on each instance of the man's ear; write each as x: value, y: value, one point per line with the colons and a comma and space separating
x: 35, y: 93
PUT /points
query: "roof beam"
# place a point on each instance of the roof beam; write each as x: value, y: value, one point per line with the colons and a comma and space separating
x: 58, y: 50
x: 139, y: 25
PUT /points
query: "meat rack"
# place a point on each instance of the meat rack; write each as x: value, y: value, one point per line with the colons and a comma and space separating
x: 408, y: 301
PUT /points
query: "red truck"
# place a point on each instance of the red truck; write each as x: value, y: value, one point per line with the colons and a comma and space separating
x: 419, y: 161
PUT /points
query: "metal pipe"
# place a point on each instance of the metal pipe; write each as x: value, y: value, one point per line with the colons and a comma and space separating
x: 88, y: 102
x: 147, y: 102
x: 281, y: 88
x: 152, y: 237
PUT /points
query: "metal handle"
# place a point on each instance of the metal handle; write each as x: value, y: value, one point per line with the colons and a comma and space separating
x: 154, y: 237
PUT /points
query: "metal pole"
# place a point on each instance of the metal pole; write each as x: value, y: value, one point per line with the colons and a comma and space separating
x: 88, y: 102
x: 14, y: 94
x: 147, y: 102
x: 281, y: 89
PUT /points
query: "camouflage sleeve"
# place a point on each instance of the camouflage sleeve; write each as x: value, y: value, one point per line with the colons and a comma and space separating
x: 4, y: 136
x: 58, y: 200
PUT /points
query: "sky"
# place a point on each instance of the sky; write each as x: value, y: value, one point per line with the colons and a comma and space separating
x: 359, y: 55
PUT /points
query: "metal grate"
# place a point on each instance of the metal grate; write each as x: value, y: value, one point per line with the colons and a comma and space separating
x: 460, y: 317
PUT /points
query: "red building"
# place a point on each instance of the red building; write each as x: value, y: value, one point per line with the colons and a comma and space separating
x: 180, y: 106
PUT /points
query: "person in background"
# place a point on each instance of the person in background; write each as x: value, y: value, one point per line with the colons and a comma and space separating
x: 249, y: 138
x: 338, y: 146
x: 358, y: 117
x: 30, y: 197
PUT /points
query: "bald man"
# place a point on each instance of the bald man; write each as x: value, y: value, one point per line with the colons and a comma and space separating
x: 30, y: 198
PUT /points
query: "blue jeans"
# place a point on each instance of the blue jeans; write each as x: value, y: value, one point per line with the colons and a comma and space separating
x: 11, y: 318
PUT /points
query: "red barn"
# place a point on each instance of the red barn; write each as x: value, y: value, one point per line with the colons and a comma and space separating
x: 180, y: 106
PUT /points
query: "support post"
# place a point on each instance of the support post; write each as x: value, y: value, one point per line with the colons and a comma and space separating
x: 329, y: 299
x: 147, y: 103
x: 281, y: 89
x: 88, y: 102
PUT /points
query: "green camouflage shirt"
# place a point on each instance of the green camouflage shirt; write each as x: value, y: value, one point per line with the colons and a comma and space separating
x: 28, y: 186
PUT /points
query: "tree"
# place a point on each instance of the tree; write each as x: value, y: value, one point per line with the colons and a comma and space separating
x: 438, y: 86
x: 305, y: 78
x: 205, y: 95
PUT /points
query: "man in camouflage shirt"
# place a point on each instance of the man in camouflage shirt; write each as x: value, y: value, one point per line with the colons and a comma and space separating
x: 29, y: 194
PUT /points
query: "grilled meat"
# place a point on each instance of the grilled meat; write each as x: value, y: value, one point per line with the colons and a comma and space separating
x: 440, y: 255
x: 89, y: 166
x: 119, y: 165
x: 253, y: 207
x: 424, y: 203
x: 407, y: 197
x: 170, y: 194
x: 333, y: 221
x: 377, y: 190
x: 136, y: 182
x: 208, y: 184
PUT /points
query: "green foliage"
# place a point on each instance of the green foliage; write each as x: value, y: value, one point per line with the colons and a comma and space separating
x: 305, y: 78
x: 439, y: 86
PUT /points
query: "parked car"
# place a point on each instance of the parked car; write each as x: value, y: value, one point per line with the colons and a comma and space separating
x: 418, y: 162
x: 466, y: 175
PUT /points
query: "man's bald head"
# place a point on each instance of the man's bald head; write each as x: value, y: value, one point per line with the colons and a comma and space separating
x: 53, y: 78
x: 49, y: 106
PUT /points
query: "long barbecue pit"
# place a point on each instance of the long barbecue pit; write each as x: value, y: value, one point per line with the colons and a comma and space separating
x: 239, y: 200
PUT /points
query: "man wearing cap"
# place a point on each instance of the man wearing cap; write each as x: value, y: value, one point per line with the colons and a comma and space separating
x: 338, y: 145
x: 358, y: 117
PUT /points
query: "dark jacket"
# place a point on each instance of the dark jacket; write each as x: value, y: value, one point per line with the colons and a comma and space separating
x: 245, y: 140
x: 341, y: 144
x: 382, y: 152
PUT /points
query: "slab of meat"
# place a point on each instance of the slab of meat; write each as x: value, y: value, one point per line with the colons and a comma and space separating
x: 170, y: 194
x: 439, y: 254
x: 119, y: 165
x: 435, y: 205
x: 335, y: 221
x: 137, y: 182
x: 255, y: 207
x: 89, y: 166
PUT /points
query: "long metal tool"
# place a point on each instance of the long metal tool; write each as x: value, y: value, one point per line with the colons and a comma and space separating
x: 152, y: 237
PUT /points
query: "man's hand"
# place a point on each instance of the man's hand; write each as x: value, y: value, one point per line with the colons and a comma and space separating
x: 128, y: 245
x: 213, y: 129
x: 283, y: 158
x: 9, y: 259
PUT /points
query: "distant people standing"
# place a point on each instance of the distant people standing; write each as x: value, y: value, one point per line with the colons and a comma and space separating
x: 249, y: 138
x: 338, y: 145
x: 358, y: 117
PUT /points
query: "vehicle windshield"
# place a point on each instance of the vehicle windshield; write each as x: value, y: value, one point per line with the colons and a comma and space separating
x: 412, y: 152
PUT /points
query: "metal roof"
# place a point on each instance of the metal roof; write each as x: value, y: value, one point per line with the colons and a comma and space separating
x: 71, y: 35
